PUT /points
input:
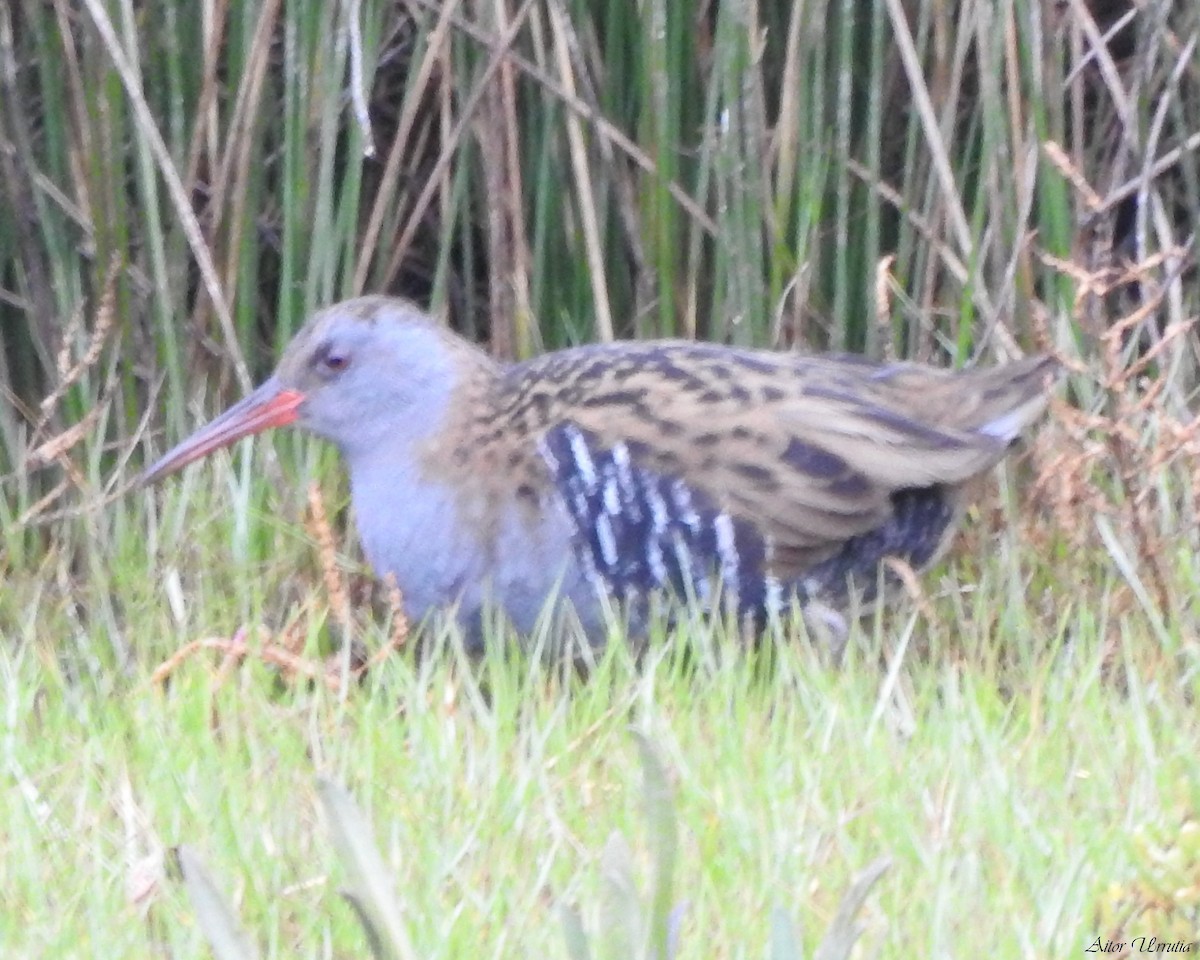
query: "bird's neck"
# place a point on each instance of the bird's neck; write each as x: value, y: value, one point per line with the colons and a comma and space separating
x: 413, y: 418
x: 441, y: 507
x: 433, y: 466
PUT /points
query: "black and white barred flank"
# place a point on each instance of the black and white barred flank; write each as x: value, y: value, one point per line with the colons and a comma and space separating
x: 637, y: 531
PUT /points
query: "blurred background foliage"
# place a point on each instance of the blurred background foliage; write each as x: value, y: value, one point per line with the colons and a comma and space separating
x: 182, y: 183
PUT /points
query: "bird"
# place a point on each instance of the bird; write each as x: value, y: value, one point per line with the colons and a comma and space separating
x: 618, y: 478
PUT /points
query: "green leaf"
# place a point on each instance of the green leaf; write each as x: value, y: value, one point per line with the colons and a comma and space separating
x: 216, y: 917
x: 663, y: 834
x: 621, y: 911
x: 371, y: 892
x: 573, y: 933
x: 785, y: 945
x: 839, y: 939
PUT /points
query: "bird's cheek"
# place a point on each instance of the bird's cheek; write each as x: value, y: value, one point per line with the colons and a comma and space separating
x: 329, y: 420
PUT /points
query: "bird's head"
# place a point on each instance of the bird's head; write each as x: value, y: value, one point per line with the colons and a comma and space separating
x: 366, y: 374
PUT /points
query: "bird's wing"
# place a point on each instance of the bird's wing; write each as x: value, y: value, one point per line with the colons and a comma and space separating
x: 782, y: 457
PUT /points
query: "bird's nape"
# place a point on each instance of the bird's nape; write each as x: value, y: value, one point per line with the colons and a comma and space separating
x: 271, y: 405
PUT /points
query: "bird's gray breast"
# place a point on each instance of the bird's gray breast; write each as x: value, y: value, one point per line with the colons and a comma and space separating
x: 407, y: 530
x: 448, y: 550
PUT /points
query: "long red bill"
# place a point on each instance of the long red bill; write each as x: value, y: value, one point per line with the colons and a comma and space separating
x: 271, y: 405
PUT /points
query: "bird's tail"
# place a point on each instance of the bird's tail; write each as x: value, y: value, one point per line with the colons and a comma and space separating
x: 1004, y: 400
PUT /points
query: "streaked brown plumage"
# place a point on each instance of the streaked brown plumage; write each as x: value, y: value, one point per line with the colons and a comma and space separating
x: 614, y: 472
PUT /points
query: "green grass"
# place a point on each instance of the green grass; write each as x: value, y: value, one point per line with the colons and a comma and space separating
x: 1006, y: 767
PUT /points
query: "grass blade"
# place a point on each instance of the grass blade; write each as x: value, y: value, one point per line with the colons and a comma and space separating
x: 620, y: 910
x: 843, y: 932
x: 371, y: 893
x: 785, y: 945
x: 662, y: 833
x: 574, y: 934
x: 216, y: 916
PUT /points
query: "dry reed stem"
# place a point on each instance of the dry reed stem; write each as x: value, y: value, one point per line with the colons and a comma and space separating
x: 564, y: 42
x: 404, y: 143
x: 400, y: 626
x: 284, y: 650
x: 233, y: 656
x: 499, y: 52
x: 236, y: 648
x: 1062, y: 163
x: 601, y: 126
x: 335, y: 587
x: 353, y: 13
x: 144, y: 122
x: 1134, y: 434
x: 57, y: 446
x: 39, y: 507
x: 293, y: 635
x: 883, y: 303
x: 912, y: 585
x: 55, y: 449
x: 70, y: 374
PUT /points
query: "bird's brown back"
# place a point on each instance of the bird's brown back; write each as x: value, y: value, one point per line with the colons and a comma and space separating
x: 808, y: 451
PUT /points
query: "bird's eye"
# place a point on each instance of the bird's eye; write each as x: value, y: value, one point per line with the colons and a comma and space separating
x: 329, y: 360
